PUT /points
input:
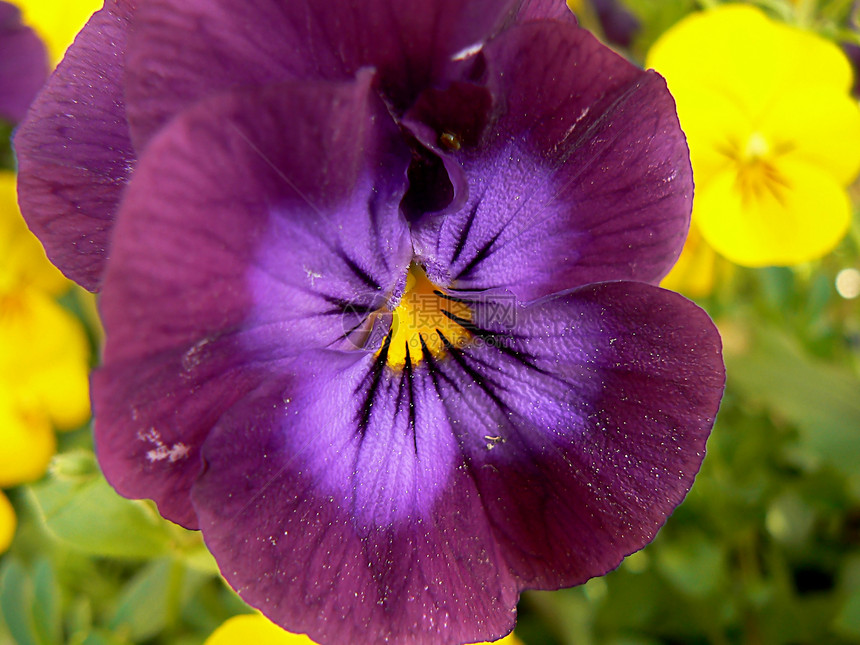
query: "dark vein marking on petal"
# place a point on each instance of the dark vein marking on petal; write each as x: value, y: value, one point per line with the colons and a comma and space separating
x: 488, y: 385
x: 406, y: 377
x: 444, y: 295
x: 482, y: 254
x: 498, y: 341
x: 360, y: 273
x: 366, y: 408
x: 434, y: 369
x: 464, y: 234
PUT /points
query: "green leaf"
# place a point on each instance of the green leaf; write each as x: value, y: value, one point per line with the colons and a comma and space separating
x: 16, y: 601
x: 80, y: 509
x: 153, y: 599
x: 46, y: 609
x: 821, y: 400
x: 694, y: 564
x: 848, y: 620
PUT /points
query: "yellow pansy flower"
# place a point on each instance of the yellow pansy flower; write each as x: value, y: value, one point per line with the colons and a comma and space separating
x: 257, y: 629
x: 57, y: 21
x: 774, y: 135
x: 8, y: 522
x: 44, y: 351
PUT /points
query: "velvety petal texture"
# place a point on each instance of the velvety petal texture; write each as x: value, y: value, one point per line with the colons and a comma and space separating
x: 584, y: 175
x: 23, y: 64
x: 378, y: 285
x: 182, y: 50
x: 190, y: 333
x: 434, y: 495
x: 74, y: 152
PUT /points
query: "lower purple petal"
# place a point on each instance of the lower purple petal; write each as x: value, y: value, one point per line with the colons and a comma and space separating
x: 363, y: 504
x: 352, y: 528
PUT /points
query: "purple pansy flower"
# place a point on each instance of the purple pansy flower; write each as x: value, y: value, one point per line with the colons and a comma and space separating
x: 23, y: 64
x: 379, y: 291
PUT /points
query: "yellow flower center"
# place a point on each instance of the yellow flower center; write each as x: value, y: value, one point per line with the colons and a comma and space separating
x: 425, y: 321
x: 757, y: 171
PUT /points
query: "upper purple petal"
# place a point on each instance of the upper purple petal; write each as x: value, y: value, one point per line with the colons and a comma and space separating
x: 23, y: 64
x: 260, y: 222
x: 183, y: 50
x: 544, y: 10
x: 362, y: 504
x: 74, y: 151
x: 584, y: 176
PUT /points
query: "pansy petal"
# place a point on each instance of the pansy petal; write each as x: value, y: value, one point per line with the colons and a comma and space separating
x: 600, y: 403
x: 545, y: 10
x: 256, y: 629
x: 23, y: 64
x: 254, y: 228
x: 737, y: 51
x: 58, y: 21
x: 27, y: 438
x: 820, y: 127
x: 348, y: 521
x: 183, y: 50
x: 8, y: 523
x: 24, y: 262
x: 798, y: 216
x: 74, y: 150
x: 584, y: 177
x: 348, y: 499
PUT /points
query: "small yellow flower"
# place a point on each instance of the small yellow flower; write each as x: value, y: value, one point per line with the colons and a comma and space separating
x: 44, y: 351
x: 254, y: 628
x: 257, y: 629
x: 57, y: 21
x: 8, y: 522
x: 774, y: 135
x: 28, y: 442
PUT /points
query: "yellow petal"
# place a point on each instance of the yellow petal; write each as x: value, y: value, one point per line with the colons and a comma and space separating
x: 821, y: 127
x: 740, y: 53
x: 510, y: 639
x: 798, y: 220
x: 8, y: 523
x: 259, y: 630
x: 28, y: 442
x: 256, y: 629
x: 694, y: 272
x: 22, y: 258
x: 731, y: 50
x: 44, y: 357
x: 715, y: 127
x: 57, y: 21
x: 64, y: 392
